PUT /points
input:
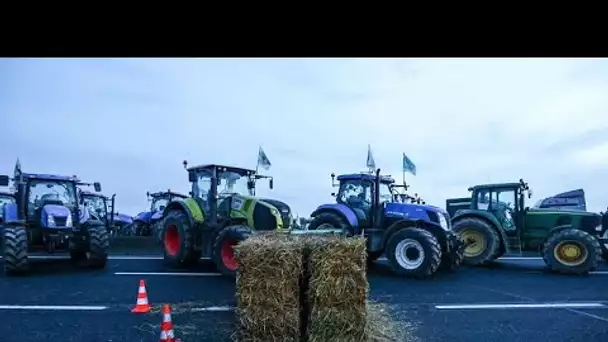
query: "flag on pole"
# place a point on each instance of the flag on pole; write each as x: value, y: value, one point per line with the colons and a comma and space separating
x: 370, y: 158
x: 17, y: 171
x: 408, y: 165
x: 263, y: 160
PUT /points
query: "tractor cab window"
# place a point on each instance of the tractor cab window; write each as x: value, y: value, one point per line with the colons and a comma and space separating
x: 483, y: 199
x: 159, y: 204
x: 386, y: 195
x: 43, y: 191
x: 356, y: 194
x: 96, y: 204
x: 201, y: 189
x: 230, y: 183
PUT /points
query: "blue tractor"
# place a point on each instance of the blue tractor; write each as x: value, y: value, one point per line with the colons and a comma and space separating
x: 102, y: 207
x: 46, y: 216
x: 415, y: 238
x: 5, y: 198
x: 149, y: 222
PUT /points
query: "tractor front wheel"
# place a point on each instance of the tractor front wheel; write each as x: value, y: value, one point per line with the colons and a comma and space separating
x: 223, y: 248
x: 413, y: 252
x: 572, y: 251
x: 180, y: 240
x: 15, y: 250
x: 482, y: 242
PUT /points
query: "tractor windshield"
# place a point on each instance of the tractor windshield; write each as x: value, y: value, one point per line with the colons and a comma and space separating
x: 158, y: 203
x: 96, y: 204
x: 42, y: 190
x: 229, y: 182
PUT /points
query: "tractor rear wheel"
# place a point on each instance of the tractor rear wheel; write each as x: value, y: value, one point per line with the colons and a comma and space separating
x: 482, y: 242
x: 223, y: 248
x: 329, y: 220
x: 413, y: 252
x: 15, y: 250
x: 180, y: 240
x: 572, y: 251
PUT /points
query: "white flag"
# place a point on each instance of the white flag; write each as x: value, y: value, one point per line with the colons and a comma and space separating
x: 370, y: 158
x: 263, y: 160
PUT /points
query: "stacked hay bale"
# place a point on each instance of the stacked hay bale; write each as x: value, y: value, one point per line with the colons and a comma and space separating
x: 337, y: 290
x: 268, y: 288
x: 302, y: 288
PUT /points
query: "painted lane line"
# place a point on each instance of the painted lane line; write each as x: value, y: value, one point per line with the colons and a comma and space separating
x: 53, y: 307
x: 183, y: 274
x: 599, y: 272
x: 110, y: 257
x: 520, y: 306
x: 214, y: 309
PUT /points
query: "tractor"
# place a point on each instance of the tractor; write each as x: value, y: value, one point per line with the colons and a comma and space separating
x: 102, y: 208
x: 495, y: 221
x: 415, y: 238
x: 220, y: 213
x: 148, y: 222
x: 46, y: 215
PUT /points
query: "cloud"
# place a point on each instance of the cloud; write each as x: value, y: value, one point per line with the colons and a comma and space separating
x: 130, y: 122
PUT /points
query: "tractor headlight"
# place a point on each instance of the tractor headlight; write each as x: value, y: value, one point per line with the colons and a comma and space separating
x: 50, y: 221
x: 68, y: 222
x: 598, y: 228
x: 442, y: 221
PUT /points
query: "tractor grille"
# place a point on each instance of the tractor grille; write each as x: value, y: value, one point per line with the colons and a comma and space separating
x: 60, y: 221
x: 286, y: 220
x: 263, y: 218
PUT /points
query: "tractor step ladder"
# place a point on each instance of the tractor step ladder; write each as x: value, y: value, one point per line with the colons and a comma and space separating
x: 514, y: 244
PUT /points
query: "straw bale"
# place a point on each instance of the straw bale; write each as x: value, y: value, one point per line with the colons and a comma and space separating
x: 268, y: 288
x: 337, y: 289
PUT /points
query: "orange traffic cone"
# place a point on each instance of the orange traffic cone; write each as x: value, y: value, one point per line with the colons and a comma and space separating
x: 166, y: 327
x: 142, y: 305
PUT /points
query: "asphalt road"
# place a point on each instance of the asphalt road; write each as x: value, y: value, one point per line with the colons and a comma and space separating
x: 506, y: 302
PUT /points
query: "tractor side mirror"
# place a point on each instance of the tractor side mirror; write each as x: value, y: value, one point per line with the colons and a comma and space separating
x: 190, y: 193
x: 529, y: 193
x: 250, y: 185
x: 147, y: 193
x: 271, y: 183
x: 4, y: 180
x: 97, y: 186
x: 333, y: 194
x: 191, y: 176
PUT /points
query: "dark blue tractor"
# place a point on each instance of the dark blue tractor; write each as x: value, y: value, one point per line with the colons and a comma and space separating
x: 5, y: 198
x: 102, y: 208
x: 415, y: 238
x: 46, y: 216
x: 149, y: 222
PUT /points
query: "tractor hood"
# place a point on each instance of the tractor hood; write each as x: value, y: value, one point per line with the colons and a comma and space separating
x: 126, y: 219
x: 143, y: 217
x: 573, y: 200
x: 56, y: 210
x: 283, y: 208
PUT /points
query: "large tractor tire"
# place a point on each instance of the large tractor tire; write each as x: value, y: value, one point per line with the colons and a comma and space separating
x: 482, y: 242
x: 413, y: 252
x: 572, y: 251
x: 180, y: 240
x: 329, y: 220
x: 95, y: 255
x: 223, y: 248
x: 15, y: 250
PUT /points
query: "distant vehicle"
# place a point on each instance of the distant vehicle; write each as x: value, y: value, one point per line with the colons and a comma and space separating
x: 46, y: 215
x: 146, y: 223
x: 102, y: 208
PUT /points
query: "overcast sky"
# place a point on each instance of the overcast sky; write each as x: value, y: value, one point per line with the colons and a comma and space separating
x: 129, y: 123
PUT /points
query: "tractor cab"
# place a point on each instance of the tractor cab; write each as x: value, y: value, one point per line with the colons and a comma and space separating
x: 99, y: 206
x: 159, y: 200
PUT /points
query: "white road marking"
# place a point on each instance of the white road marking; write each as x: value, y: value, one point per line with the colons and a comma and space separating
x: 213, y: 309
x: 183, y: 274
x: 519, y: 306
x: 599, y: 272
x: 110, y: 257
x: 53, y: 307
x: 503, y: 258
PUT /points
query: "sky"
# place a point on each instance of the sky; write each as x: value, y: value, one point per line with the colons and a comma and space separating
x: 129, y: 123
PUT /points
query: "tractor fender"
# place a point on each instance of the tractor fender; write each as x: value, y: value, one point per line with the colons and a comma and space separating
x: 10, y: 214
x: 483, y: 215
x: 347, y: 213
x: 432, y: 227
x: 189, y: 206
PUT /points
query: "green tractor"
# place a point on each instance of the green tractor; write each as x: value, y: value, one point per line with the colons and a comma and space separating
x: 220, y: 213
x: 495, y: 221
